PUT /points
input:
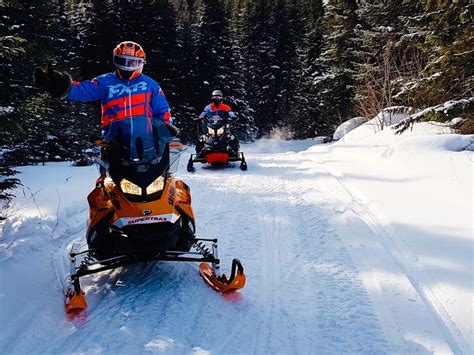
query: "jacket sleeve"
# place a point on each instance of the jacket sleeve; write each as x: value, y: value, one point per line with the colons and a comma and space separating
x: 159, y: 105
x: 229, y: 111
x: 89, y: 90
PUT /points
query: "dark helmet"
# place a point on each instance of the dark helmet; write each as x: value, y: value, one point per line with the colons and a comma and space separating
x: 129, y: 58
x: 217, y: 97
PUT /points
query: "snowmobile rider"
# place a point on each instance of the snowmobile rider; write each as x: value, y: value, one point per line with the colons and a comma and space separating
x: 124, y: 94
x: 216, y: 107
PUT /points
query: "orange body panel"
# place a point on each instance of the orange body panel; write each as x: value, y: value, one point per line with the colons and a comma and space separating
x: 110, y: 199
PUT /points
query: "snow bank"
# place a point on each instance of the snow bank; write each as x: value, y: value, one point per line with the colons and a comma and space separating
x: 428, y: 143
x: 417, y: 190
x: 379, y: 123
x: 347, y: 126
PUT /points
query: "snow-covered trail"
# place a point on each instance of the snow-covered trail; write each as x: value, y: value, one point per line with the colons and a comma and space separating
x: 319, y: 277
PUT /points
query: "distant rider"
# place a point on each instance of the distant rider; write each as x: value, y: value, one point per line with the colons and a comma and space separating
x: 124, y: 94
x: 216, y: 108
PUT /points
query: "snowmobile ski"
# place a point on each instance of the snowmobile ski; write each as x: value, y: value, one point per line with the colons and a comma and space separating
x: 74, y: 299
x: 205, y: 251
x: 221, y: 283
x: 74, y: 302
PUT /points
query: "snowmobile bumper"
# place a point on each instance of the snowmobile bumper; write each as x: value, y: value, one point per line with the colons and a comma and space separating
x: 217, y: 158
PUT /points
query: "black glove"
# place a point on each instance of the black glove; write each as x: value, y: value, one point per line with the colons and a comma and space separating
x: 57, y: 83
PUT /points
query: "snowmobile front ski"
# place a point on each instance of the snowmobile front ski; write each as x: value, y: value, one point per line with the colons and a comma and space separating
x: 190, y: 166
x: 243, y: 163
x: 221, y: 283
x: 74, y: 299
x: 205, y: 251
x: 212, y: 274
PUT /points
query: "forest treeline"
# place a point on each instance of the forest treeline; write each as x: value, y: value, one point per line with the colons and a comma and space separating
x: 297, y: 67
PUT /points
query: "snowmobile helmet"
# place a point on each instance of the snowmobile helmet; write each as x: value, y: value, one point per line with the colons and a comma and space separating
x: 217, y: 97
x: 129, y: 58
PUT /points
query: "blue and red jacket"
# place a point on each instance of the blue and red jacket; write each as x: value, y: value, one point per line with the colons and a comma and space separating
x: 222, y: 110
x: 123, y: 100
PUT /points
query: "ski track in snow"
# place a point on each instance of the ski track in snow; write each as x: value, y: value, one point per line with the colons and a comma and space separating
x: 376, y: 223
x: 304, y: 293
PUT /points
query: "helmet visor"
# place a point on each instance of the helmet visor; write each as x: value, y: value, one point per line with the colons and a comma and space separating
x: 127, y: 63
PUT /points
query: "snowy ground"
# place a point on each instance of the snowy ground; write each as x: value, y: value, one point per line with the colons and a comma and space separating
x: 363, y: 246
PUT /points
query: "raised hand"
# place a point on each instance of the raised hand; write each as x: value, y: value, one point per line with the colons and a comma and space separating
x: 53, y: 81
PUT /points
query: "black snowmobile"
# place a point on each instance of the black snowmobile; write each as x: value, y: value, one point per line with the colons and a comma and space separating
x: 217, y: 146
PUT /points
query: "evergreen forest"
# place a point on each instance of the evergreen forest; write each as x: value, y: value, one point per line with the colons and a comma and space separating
x: 293, y: 68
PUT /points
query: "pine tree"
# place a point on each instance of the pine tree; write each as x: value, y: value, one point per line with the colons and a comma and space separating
x: 445, y: 83
x: 258, y: 46
x: 185, y: 100
x: 335, y: 78
x: 217, y: 63
x: 291, y: 25
x: 305, y: 117
x: 44, y: 128
x: 213, y: 48
x: 449, y: 43
x: 239, y: 100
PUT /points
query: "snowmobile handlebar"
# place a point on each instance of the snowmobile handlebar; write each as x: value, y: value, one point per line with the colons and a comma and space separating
x: 103, y: 143
x: 229, y: 120
x: 174, y: 131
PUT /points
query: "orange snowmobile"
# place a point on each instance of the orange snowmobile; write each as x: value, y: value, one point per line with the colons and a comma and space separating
x: 139, y: 212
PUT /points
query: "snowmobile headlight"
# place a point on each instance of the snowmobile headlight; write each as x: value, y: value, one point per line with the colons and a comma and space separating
x: 220, y: 131
x: 130, y: 188
x: 210, y: 131
x: 156, y: 186
x: 109, y: 183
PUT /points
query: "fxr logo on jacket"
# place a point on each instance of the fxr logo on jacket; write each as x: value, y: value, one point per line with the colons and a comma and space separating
x: 120, y: 89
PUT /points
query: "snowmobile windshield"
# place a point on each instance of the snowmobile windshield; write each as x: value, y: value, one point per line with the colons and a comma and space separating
x: 140, y: 140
